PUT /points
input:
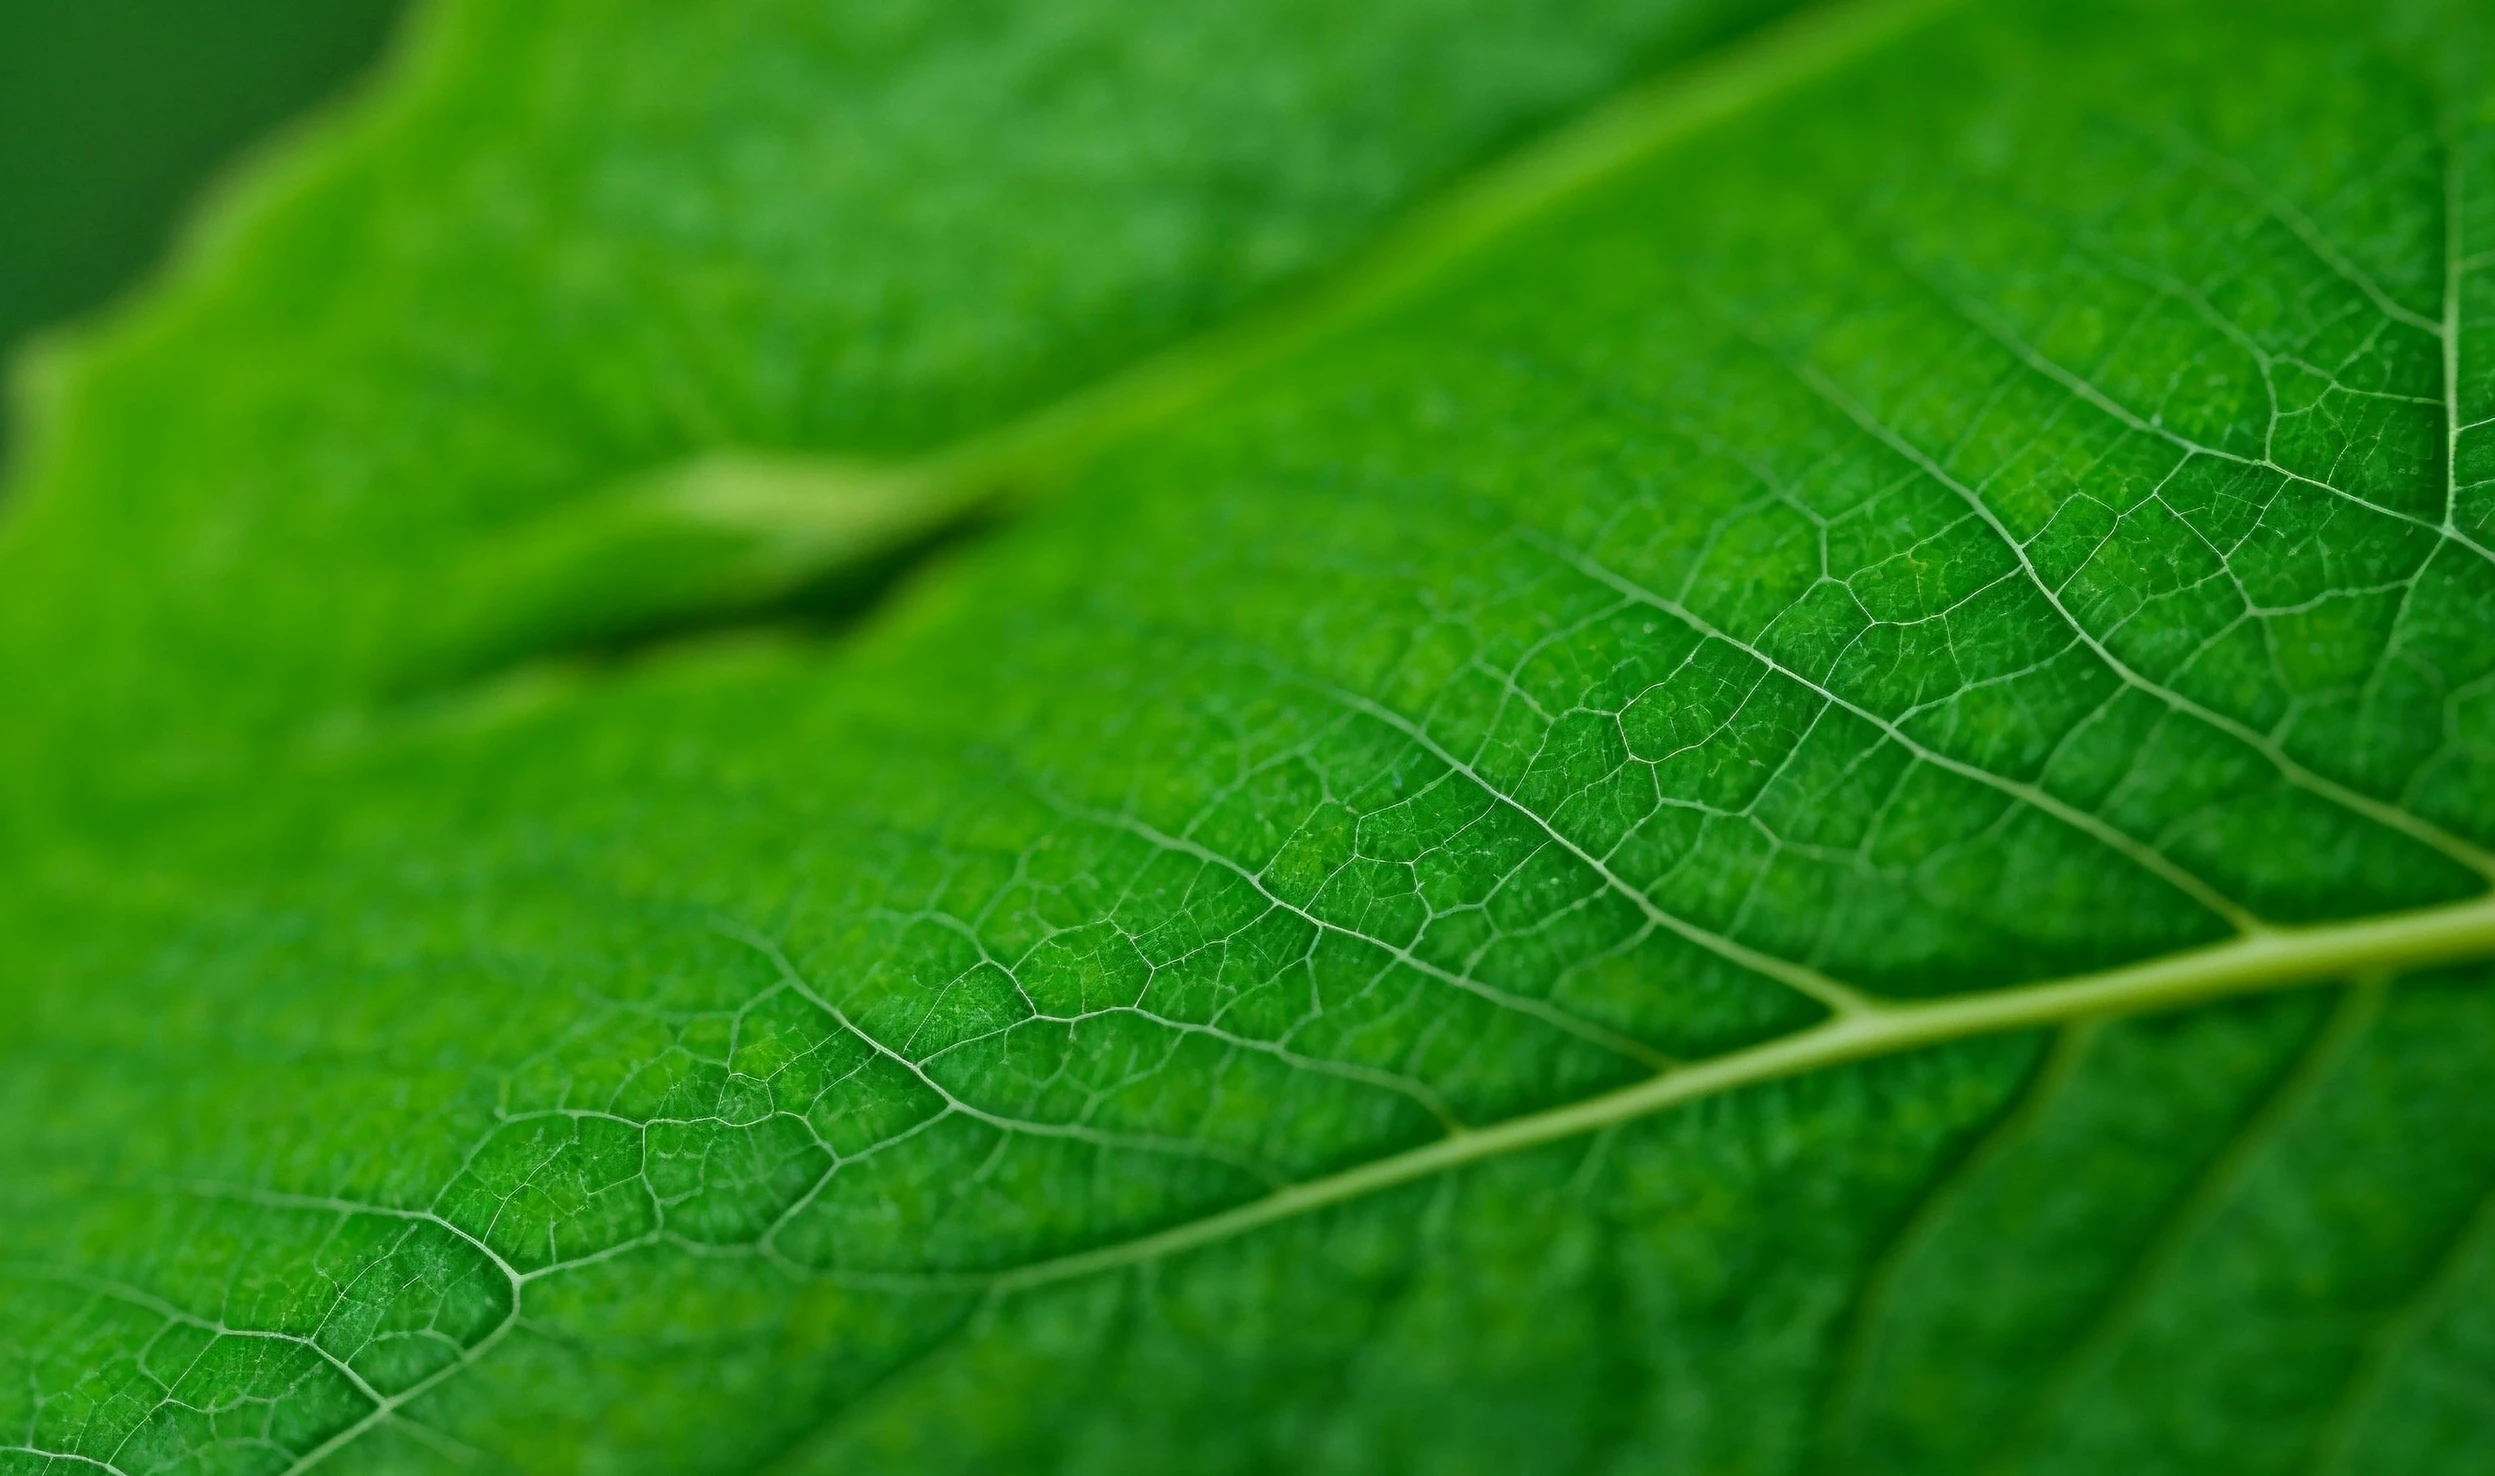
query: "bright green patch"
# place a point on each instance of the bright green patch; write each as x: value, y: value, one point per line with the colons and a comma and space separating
x: 1591, y: 863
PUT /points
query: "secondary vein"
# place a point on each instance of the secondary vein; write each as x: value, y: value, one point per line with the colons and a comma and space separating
x: 2394, y: 943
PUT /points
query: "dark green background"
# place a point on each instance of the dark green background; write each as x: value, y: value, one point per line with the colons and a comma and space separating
x: 113, y: 113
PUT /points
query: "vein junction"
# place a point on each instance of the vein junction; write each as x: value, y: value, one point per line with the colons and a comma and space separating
x: 2274, y: 960
x: 1873, y: 650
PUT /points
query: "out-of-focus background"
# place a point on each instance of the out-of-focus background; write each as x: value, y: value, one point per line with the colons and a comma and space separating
x: 114, y: 114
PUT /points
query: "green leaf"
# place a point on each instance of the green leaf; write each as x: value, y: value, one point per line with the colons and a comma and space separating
x: 1802, y: 786
x: 569, y: 246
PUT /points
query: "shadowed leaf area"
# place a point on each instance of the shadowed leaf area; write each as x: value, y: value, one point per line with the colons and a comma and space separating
x: 1817, y: 796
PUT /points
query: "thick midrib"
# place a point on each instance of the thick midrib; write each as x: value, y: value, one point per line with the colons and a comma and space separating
x: 1043, y: 447
x: 820, y: 513
x: 815, y: 505
x: 1483, y: 207
x: 2371, y: 948
x: 2391, y: 943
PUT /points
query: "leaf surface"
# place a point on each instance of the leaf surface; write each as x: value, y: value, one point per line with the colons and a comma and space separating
x: 1823, y: 805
